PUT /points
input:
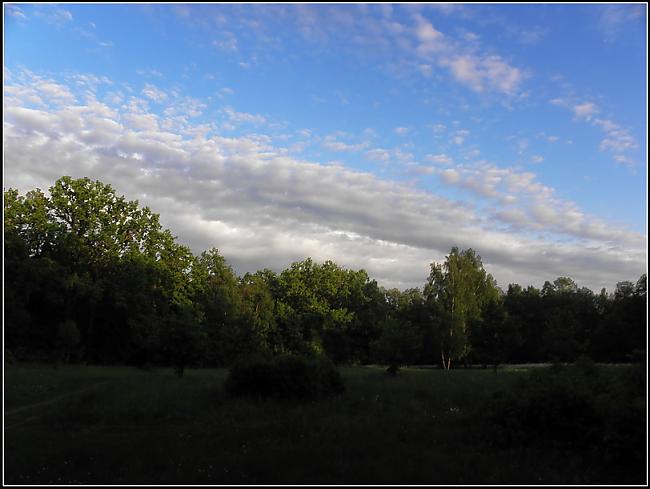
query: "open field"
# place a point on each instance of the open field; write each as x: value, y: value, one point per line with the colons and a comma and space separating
x: 119, y: 425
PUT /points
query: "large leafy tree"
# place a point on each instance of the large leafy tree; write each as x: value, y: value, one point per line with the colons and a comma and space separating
x: 68, y: 251
x: 398, y: 344
x: 458, y: 289
x: 102, y: 225
x: 623, y: 325
x: 315, y: 297
x: 570, y: 314
x: 215, y: 292
x: 257, y: 309
x: 525, y: 309
x: 494, y: 336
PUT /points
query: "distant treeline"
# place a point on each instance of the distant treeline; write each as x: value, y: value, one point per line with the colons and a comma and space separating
x: 92, y: 277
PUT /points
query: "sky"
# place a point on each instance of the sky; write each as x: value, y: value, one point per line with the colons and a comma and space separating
x: 378, y: 136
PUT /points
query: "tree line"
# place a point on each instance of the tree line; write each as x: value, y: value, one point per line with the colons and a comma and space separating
x: 93, y: 277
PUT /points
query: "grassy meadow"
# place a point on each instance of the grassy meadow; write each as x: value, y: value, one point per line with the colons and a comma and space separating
x: 121, y: 425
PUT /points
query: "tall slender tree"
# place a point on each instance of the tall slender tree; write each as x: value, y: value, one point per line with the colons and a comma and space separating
x: 458, y: 289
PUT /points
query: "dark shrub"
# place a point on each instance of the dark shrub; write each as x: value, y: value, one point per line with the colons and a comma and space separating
x: 549, y: 406
x: 586, y: 365
x: 392, y: 370
x: 284, y: 377
x: 599, y: 412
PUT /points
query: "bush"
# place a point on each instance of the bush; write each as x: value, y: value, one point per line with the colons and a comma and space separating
x: 580, y: 407
x: 548, y: 407
x: 586, y: 365
x: 290, y: 377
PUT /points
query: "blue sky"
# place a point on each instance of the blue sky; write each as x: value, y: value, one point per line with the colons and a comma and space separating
x: 375, y: 135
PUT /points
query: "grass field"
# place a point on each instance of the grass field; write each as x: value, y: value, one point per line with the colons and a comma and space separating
x: 119, y: 425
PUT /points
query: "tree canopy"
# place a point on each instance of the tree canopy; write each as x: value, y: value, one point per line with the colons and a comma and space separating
x: 91, y: 276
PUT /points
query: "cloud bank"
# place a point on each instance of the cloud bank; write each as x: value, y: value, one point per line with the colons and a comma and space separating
x: 263, y: 208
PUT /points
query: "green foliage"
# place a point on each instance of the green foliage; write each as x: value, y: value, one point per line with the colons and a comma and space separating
x: 398, y: 344
x: 289, y: 377
x: 458, y: 288
x: 182, y: 339
x: 81, y: 254
x: 577, y: 407
x: 68, y: 253
x: 494, y: 336
x: 547, y: 407
x: 325, y: 307
x: 622, y: 326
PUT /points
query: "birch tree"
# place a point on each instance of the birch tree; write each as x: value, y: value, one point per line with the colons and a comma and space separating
x: 457, y: 289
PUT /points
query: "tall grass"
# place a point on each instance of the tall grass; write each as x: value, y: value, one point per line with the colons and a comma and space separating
x: 150, y: 427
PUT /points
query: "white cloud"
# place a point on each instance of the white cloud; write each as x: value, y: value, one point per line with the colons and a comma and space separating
x: 544, y: 214
x: 585, y: 111
x: 466, y: 70
x: 506, y: 186
x: 243, y: 117
x: 401, y: 131
x: 378, y: 154
x: 332, y: 144
x: 624, y: 160
x: 459, y: 137
x: 147, y: 122
x: 431, y: 40
x: 559, y: 102
x: 89, y: 81
x: 450, y: 176
x: 439, y: 159
x: 150, y: 73
x: 154, y: 93
x: 228, y: 44
x: 15, y: 12
x: 186, y: 107
x: 63, y: 15
x: 54, y: 15
x: 536, y: 159
x: 501, y: 75
x: 394, y: 155
x: 615, y: 17
x: 262, y: 208
x: 617, y: 139
x: 425, y: 32
x: 485, y: 73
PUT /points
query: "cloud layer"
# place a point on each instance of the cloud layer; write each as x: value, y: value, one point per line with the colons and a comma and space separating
x: 264, y: 208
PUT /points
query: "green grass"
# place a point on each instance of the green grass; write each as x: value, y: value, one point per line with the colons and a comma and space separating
x: 117, y: 425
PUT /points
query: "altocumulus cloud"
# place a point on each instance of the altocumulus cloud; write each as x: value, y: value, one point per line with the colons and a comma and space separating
x: 262, y: 208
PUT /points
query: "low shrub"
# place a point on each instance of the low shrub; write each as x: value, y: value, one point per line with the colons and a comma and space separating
x: 545, y: 408
x: 572, y: 407
x: 586, y: 365
x: 291, y: 377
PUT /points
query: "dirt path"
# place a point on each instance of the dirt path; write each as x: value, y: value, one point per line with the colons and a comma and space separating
x: 52, y: 400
